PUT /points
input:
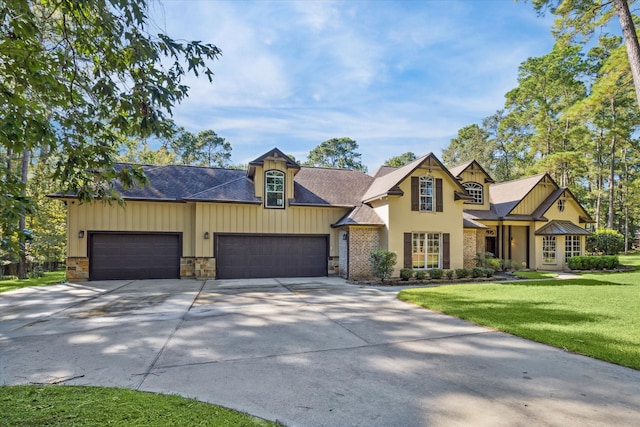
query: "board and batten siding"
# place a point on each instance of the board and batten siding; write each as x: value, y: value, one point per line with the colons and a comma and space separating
x: 238, y: 218
x: 535, y: 198
x: 135, y: 216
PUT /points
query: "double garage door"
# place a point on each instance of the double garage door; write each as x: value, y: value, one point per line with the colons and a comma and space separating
x: 257, y: 255
x: 134, y: 256
x: 238, y: 256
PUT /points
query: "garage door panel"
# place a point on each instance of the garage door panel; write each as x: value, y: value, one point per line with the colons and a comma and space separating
x: 134, y: 256
x: 246, y: 256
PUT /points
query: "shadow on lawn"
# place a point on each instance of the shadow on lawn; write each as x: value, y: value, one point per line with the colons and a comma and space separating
x: 567, y: 282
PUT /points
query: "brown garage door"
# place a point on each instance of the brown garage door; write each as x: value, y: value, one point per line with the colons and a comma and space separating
x: 253, y: 255
x: 134, y: 256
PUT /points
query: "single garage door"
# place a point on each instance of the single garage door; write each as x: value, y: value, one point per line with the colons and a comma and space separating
x: 134, y: 256
x: 259, y: 255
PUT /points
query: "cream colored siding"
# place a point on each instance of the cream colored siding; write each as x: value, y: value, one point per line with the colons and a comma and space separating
x: 479, y: 177
x: 135, y: 216
x: 534, y: 199
x: 236, y: 218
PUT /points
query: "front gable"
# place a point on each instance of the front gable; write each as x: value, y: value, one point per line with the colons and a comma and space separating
x: 535, y: 197
x: 476, y: 182
x: 274, y: 164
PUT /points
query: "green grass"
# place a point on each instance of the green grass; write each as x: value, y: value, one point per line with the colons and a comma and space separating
x: 595, y: 315
x: 54, y: 405
x: 535, y: 274
x: 50, y: 278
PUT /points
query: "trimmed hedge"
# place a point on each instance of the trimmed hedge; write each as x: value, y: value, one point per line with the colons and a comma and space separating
x: 593, y: 262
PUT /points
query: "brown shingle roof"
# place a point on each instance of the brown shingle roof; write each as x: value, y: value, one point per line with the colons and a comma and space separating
x: 506, y: 196
x: 360, y: 215
x: 333, y: 187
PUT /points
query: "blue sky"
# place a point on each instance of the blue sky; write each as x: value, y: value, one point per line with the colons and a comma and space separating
x: 395, y: 76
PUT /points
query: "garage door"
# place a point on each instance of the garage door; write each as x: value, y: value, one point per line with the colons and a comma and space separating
x: 134, y: 256
x: 246, y: 256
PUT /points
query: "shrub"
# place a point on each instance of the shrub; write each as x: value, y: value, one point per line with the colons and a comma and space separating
x: 436, y: 273
x: 606, y: 242
x: 449, y: 274
x: 35, y: 274
x: 487, y: 260
x: 421, y: 274
x: 406, y: 273
x: 489, y: 272
x: 593, y: 262
x: 477, y: 272
x: 382, y: 263
x: 461, y: 273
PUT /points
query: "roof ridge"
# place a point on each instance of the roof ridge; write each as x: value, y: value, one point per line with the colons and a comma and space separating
x: 216, y: 186
x: 520, y: 179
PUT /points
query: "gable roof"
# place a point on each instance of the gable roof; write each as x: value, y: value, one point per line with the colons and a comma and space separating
x: 506, y: 196
x: 551, y: 200
x: 387, y: 184
x: 458, y: 170
x: 329, y: 187
x: 360, y: 215
x: 273, y: 154
x: 561, y: 228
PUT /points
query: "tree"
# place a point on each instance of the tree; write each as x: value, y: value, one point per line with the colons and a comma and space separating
x: 401, y: 160
x: 204, y: 149
x: 77, y: 77
x: 585, y: 16
x: 141, y: 153
x: 471, y: 143
x: 336, y: 153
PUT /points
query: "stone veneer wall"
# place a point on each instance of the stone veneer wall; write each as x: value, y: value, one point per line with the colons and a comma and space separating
x: 198, y: 267
x: 77, y: 268
x: 469, y: 249
x: 362, y: 241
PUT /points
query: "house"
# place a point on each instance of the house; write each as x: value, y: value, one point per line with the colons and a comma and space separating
x: 280, y: 219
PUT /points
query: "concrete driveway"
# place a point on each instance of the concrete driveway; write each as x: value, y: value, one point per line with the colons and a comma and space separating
x: 305, y: 352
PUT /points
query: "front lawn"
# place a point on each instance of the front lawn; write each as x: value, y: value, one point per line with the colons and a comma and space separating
x: 50, y: 278
x: 55, y: 405
x: 596, y: 315
x: 535, y: 274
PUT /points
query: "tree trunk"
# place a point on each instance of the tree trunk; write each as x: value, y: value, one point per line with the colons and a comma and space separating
x: 22, y: 262
x: 631, y: 41
x: 612, y: 169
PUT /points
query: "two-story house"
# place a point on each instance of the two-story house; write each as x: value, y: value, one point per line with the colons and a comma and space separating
x: 280, y: 219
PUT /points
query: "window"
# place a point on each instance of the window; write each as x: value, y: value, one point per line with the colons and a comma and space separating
x: 274, y: 189
x: 549, y: 249
x: 426, y: 250
x: 426, y: 193
x: 571, y: 247
x: 475, y: 190
x: 561, y: 205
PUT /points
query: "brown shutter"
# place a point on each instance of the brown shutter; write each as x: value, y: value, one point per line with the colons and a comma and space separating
x: 408, y: 251
x: 446, y: 249
x: 415, y: 193
x: 438, y: 194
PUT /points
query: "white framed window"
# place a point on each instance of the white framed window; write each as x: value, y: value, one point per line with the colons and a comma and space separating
x: 571, y: 247
x: 427, y: 192
x: 274, y: 189
x: 561, y: 205
x: 476, y: 191
x: 548, y: 249
x: 426, y: 248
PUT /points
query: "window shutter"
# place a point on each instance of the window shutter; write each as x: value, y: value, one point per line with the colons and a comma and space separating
x: 438, y: 194
x: 415, y: 193
x: 408, y: 251
x: 446, y: 259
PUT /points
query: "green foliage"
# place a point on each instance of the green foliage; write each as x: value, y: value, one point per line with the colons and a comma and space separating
x: 605, y: 241
x: 471, y: 143
x: 420, y: 274
x: 436, y: 273
x: 487, y: 260
x: 204, y: 149
x: 489, y: 272
x: 51, y: 405
x: 461, y: 273
x: 337, y: 153
x: 401, y: 160
x: 382, y: 263
x: 449, y: 274
x: 593, y: 262
x: 406, y: 273
x: 478, y: 272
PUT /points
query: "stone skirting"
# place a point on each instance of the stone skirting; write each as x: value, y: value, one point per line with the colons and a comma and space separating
x: 77, y: 269
x: 198, y: 267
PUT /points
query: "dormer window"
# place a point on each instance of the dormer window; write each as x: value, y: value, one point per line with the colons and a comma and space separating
x: 274, y: 189
x: 476, y: 191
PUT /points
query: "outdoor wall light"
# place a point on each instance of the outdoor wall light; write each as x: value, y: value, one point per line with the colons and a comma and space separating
x: 81, y: 234
x: 344, y: 236
x: 206, y: 235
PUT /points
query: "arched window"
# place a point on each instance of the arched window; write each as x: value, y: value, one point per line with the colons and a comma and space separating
x: 475, y: 190
x: 274, y: 189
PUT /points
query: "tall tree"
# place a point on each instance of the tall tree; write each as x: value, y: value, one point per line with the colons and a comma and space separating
x: 204, y: 149
x: 401, y: 160
x: 337, y: 153
x: 76, y: 77
x: 583, y: 17
x: 471, y: 143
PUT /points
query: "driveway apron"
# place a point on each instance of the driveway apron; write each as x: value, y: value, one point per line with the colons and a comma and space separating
x: 305, y: 352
